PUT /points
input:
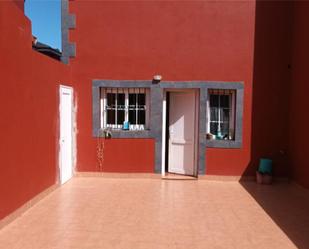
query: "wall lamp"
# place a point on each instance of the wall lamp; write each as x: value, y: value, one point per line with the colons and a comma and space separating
x: 156, y: 79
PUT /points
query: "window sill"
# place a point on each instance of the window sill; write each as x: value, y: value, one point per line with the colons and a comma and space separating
x: 227, y: 144
x: 130, y: 133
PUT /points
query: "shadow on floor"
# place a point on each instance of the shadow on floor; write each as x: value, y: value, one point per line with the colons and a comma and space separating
x: 287, y: 205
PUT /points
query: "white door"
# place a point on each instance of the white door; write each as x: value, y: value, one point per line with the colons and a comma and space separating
x: 66, y: 152
x: 181, y: 133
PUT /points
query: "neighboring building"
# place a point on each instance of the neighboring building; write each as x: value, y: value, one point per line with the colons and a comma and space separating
x: 233, y: 90
x: 45, y: 49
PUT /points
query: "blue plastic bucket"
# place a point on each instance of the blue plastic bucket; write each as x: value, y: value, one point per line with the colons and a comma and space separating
x: 126, y: 125
x: 266, y: 166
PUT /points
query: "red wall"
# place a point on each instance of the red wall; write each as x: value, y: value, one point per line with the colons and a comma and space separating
x: 299, y: 115
x: 135, y: 40
x: 271, y: 83
x: 20, y: 4
x: 29, y: 112
x: 193, y: 40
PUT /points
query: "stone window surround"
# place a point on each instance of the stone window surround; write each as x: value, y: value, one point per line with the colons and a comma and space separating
x: 156, y: 102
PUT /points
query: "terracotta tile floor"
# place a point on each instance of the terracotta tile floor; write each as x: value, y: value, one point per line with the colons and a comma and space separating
x: 151, y: 213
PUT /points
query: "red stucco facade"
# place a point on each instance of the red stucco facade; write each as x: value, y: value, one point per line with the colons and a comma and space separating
x: 298, y: 118
x: 183, y: 41
x: 262, y: 44
x: 29, y: 112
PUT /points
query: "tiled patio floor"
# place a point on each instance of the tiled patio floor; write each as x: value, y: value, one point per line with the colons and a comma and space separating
x: 152, y: 213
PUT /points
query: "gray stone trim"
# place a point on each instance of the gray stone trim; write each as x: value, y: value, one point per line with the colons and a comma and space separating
x: 95, y: 111
x: 202, y: 84
x: 122, y: 83
x: 96, y: 85
x: 225, y: 144
x: 68, y: 21
x: 237, y: 143
x: 156, y: 101
x: 156, y: 106
x: 202, y: 132
x: 239, y: 117
x: 131, y: 134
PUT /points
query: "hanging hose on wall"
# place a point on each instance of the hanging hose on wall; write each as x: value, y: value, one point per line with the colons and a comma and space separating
x: 102, y: 135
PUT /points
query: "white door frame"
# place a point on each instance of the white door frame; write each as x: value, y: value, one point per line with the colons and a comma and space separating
x: 61, y: 88
x: 196, y: 125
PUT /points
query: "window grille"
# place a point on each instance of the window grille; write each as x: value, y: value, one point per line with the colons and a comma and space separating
x: 119, y: 105
x: 221, y: 112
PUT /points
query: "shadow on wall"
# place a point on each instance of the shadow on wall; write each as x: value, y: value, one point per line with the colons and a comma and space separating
x: 286, y: 204
x: 271, y: 82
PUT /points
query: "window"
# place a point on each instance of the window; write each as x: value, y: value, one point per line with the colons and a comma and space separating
x: 221, y: 114
x: 125, y: 108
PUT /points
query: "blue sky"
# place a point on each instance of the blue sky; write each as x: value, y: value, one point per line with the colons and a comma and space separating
x: 45, y: 16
